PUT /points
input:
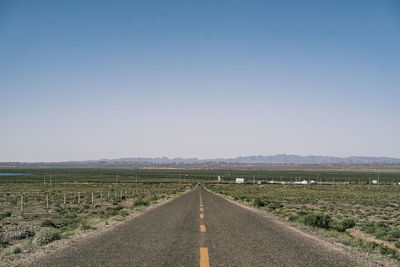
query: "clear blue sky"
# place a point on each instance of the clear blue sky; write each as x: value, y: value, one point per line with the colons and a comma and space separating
x: 108, y: 79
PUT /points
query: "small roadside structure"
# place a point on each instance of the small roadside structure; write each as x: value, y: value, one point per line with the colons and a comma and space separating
x: 239, y: 181
x: 262, y: 182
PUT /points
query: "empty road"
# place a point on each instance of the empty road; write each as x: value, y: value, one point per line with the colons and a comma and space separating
x: 202, y: 229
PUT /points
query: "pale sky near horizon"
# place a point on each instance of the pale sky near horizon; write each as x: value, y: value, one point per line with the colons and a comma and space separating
x: 86, y: 80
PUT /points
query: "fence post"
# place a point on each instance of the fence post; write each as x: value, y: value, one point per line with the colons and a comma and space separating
x: 79, y: 198
x: 101, y: 198
x: 47, y: 202
x: 92, y: 199
x: 22, y: 205
x: 65, y: 201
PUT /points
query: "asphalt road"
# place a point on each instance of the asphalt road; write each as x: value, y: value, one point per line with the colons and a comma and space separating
x: 202, y: 229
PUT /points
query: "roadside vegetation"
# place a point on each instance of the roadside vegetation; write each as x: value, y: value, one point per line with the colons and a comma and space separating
x: 33, y: 213
x: 362, y: 216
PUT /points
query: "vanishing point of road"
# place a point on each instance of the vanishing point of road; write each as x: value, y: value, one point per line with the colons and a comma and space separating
x: 202, y: 229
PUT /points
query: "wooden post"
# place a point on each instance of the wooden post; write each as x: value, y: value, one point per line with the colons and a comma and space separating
x: 47, y: 202
x: 378, y: 180
x: 121, y: 195
x: 92, y: 199
x: 115, y: 195
x: 22, y: 205
x: 101, y: 198
x: 65, y: 201
x: 108, y: 195
x: 79, y: 198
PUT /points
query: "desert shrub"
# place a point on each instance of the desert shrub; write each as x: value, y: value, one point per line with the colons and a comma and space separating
x: 394, y: 234
x: 4, y: 243
x: 140, y: 202
x: 70, y: 221
x: 5, y: 215
x: 60, y: 210
x: 48, y: 223
x: 258, y: 202
x: 274, y: 205
x: 17, y: 250
x: 47, y: 236
x: 85, y: 225
x: 369, y: 227
x: 343, y: 225
x: 123, y: 213
x: 317, y: 220
x: 391, y: 252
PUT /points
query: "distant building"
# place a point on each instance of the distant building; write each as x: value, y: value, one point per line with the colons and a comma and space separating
x: 240, y: 180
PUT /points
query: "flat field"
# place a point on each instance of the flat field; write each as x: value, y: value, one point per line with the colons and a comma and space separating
x: 40, y: 208
x: 363, y: 216
x: 58, y: 203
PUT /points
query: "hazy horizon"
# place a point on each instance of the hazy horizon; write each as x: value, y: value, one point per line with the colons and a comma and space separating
x: 86, y: 80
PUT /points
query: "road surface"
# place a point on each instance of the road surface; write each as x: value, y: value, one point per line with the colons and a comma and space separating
x: 202, y: 229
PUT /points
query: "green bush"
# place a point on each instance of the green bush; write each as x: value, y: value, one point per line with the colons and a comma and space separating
x: 274, y: 205
x: 318, y: 220
x: 5, y: 214
x: 391, y: 252
x: 394, y: 234
x: 258, y: 202
x: 343, y: 225
x: 47, y: 236
x: 48, y: 223
x: 381, y: 231
x: 140, y: 202
x: 17, y: 250
x: 70, y: 221
x: 85, y: 225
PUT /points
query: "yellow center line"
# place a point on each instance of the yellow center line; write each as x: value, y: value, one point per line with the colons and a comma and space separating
x: 202, y: 228
x: 201, y: 216
x: 201, y: 209
x: 204, y: 259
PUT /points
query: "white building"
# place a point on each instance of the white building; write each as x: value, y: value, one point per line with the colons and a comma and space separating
x: 240, y: 180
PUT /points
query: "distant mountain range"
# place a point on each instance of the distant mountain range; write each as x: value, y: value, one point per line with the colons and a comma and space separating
x: 274, y: 159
